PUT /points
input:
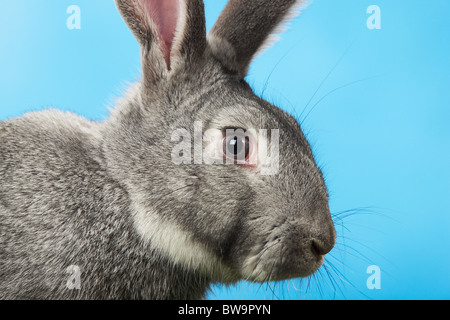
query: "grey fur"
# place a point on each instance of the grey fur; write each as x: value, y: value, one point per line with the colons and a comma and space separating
x: 78, y: 193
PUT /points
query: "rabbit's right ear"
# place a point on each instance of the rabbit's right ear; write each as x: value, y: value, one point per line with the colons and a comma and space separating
x: 172, y: 33
x: 243, y: 28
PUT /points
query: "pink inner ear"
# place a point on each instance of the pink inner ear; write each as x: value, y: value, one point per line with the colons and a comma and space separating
x: 164, y: 14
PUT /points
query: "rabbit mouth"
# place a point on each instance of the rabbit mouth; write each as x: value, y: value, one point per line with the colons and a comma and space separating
x: 276, y: 262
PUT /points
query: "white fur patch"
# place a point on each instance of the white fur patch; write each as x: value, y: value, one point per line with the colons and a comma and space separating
x: 180, y: 245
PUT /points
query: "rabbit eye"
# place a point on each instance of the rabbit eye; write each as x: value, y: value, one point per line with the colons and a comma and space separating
x: 237, y: 146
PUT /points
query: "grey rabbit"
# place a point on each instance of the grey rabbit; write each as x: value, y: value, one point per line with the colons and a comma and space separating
x: 100, y: 210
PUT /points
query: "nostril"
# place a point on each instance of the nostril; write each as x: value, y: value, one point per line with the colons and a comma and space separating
x: 322, y: 242
x: 318, y: 248
x: 315, y: 248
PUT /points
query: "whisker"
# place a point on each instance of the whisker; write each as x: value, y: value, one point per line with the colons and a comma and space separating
x: 271, y: 270
x: 334, y: 90
x: 325, y: 79
x: 332, y: 281
x: 264, y: 250
x: 277, y: 64
x: 343, y: 278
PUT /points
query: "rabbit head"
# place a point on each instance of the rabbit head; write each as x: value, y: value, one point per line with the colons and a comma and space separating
x: 230, y: 218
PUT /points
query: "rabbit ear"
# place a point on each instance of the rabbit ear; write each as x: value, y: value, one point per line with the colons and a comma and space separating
x: 243, y: 28
x: 171, y: 32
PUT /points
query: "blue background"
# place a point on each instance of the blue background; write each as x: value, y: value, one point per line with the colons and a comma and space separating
x: 379, y: 122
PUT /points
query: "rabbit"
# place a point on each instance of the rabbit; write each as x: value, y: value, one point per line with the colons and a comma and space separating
x: 100, y: 210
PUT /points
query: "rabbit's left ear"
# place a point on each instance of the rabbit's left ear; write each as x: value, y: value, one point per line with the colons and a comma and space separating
x: 171, y: 33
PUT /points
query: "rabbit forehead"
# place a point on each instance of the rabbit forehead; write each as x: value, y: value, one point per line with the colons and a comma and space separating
x: 238, y: 107
x: 245, y: 115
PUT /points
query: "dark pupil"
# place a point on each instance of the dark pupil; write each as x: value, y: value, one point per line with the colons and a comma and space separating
x: 238, y: 147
